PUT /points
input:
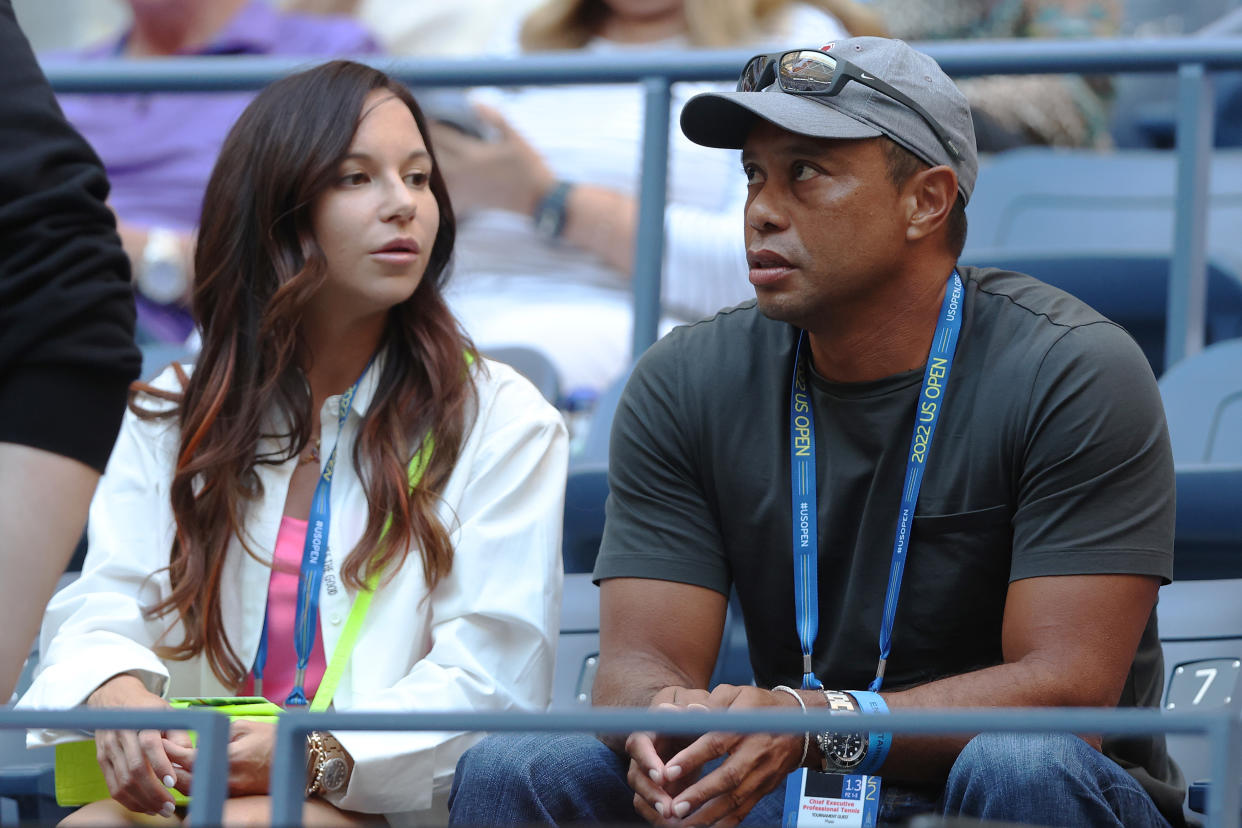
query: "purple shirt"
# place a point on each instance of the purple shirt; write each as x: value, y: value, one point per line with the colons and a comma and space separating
x: 159, y: 148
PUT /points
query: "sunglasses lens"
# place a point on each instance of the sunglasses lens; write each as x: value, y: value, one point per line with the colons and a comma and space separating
x: 752, y: 76
x: 807, y: 71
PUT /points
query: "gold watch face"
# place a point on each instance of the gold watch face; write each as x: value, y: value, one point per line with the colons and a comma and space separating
x: 334, y: 774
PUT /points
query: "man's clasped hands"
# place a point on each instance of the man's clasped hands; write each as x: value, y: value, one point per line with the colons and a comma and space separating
x: 670, y: 774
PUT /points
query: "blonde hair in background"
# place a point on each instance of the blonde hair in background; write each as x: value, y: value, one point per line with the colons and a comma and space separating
x: 570, y: 24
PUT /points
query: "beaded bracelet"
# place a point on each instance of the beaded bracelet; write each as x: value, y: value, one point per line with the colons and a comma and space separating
x: 806, y: 737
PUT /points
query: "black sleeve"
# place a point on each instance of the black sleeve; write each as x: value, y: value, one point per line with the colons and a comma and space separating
x: 658, y: 521
x: 1096, y: 494
x: 67, y: 352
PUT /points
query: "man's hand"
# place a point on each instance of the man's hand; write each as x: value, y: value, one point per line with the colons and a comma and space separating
x: 505, y: 173
x: 755, y: 765
x: 250, y: 756
x: 135, y: 764
x: 654, y: 783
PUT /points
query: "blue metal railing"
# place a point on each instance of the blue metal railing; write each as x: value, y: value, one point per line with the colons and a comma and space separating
x: 1221, y: 730
x: 1193, y: 59
x: 210, y: 784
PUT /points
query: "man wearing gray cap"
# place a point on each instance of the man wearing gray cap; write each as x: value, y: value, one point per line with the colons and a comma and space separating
x: 931, y: 486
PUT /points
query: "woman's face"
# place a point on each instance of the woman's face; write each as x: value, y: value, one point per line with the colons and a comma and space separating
x: 377, y: 222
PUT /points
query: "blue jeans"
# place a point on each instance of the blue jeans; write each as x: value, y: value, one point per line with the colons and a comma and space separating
x: 1055, y: 780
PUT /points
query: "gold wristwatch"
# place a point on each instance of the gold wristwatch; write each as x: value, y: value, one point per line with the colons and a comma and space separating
x: 327, y: 769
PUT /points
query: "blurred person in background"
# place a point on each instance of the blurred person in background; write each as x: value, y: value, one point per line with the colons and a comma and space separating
x: 335, y: 399
x: 1018, y: 110
x: 423, y: 29
x: 67, y: 351
x: 159, y: 147
x: 548, y: 196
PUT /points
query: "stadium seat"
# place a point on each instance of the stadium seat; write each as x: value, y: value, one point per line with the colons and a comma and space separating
x: 599, y: 426
x: 1059, y: 200
x: 577, y: 655
x: 532, y: 364
x: 1200, y: 614
x: 1203, y: 403
x: 585, y: 493
x: 1130, y: 288
x: 1101, y: 226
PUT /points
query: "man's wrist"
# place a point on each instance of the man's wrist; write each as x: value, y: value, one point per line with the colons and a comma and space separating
x: 806, y: 736
x: 878, y: 740
x: 841, y: 749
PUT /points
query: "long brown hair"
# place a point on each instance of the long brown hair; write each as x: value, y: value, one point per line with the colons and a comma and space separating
x: 257, y: 265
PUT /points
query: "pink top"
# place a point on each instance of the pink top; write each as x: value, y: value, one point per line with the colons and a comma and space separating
x: 282, y: 603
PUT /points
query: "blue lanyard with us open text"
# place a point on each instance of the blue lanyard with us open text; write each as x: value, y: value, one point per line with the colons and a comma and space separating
x: 854, y: 800
x: 311, y: 574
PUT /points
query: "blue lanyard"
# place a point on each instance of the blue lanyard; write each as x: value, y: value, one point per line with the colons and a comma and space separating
x: 931, y: 401
x: 311, y: 574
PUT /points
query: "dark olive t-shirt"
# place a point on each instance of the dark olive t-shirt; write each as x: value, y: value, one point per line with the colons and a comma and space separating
x: 1051, y: 457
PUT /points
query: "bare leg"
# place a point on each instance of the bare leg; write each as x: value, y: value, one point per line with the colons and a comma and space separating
x: 244, y: 811
x: 43, y: 503
x: 109, y: 812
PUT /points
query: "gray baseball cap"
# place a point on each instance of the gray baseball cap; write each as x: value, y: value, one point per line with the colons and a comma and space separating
x: 724, y: 119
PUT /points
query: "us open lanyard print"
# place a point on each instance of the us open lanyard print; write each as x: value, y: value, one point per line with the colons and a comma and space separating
x: 311, y: 574
x: 931, y: 400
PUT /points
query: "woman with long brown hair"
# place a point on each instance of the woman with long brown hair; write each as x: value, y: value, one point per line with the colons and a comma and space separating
x: 337, y: 435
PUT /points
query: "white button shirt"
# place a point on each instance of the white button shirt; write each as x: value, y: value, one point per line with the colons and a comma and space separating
x: 485, y: 639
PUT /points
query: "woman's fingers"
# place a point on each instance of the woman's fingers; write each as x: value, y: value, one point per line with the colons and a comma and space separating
x: 138, y: 785
x: 180, y: 754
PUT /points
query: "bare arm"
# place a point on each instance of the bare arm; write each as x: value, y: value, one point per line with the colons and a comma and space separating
x: 507, y: 173
x: 43, y: 502
x: 654, y: 635
x: 1068, y: 641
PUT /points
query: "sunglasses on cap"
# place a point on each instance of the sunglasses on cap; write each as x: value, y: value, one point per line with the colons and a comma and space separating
x: 815, y: 74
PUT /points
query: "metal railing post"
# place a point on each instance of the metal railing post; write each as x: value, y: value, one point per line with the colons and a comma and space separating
x: 1223, y: 799
x: 288, y: 778
x: 210, y: 785
x: 649, y: 240
x: 1185, y: 328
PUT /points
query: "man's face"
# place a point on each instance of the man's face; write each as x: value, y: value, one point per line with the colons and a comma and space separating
x: 824, y: 224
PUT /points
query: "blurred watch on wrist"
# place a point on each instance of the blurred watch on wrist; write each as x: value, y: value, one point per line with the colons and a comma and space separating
x: 552, y: 211
x: 161, y: 275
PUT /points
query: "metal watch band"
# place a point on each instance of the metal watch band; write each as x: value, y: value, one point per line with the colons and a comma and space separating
x: 327, y: 770
x: 840, y: 752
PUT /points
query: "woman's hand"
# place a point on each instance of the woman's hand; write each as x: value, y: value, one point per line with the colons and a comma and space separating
x: 504, y: 173
x: 250, y: 757
x: 136, y: 764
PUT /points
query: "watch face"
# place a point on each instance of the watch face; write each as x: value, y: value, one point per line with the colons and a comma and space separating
x: 334, y: 773
x: 846, y: 750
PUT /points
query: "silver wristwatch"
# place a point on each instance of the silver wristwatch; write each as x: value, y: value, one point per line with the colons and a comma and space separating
x: 841, y: 752
x: 161, y: 274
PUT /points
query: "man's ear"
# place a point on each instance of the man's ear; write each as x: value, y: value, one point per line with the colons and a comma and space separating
x: 932, y: 194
